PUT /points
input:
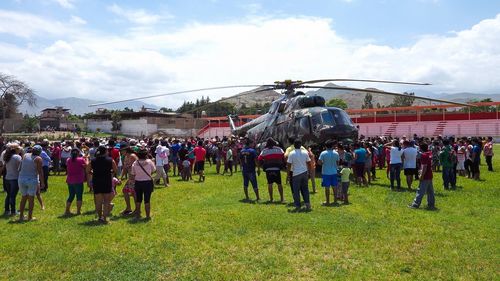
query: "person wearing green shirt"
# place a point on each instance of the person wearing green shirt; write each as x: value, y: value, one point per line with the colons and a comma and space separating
x: 447, y: 157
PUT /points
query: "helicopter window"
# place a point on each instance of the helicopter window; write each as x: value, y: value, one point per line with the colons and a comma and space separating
x: 340, y: 117
x: 316, y: 119
x: 304, y: 125
x: 327, y: 118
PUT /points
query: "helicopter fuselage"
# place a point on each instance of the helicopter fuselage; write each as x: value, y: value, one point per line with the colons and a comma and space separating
x: 299, y: 117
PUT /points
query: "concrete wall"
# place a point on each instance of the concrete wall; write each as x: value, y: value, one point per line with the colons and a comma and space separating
x: 136, y: 127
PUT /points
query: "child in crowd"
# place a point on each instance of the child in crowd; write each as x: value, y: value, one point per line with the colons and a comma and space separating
x: 186, y: 170
x: 114, y: 183
x: 461, y: 160
x: 344, y: 174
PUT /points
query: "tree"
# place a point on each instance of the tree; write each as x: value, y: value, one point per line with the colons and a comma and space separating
x: 402, y: 101
x: 116, y: 125
x: 13, y: 93
x: 336, y: 102
x: 368, y: 102
x: 30, y: 124
x: 482, y: 108
x: 166, y: 109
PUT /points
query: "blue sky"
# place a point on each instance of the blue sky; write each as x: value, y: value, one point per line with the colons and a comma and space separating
x: 142, y: 47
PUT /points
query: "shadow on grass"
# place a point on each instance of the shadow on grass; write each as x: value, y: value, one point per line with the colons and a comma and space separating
x: 247, y: 201
x: 299, y: 210
x: 276, y: 203
x: 138, y: 220
x: 92, y: 223
x: 66, y: 216
x: 87, y: 213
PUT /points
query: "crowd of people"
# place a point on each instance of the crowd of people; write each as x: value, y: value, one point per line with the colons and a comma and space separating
x: 136, y: 166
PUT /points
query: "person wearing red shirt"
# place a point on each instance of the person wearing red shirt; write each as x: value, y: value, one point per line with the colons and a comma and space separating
x: 56, y: 158
x: 425, y: 186
x: 199, y: 156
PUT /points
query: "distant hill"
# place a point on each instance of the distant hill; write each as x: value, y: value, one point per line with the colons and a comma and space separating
x: 77, y: 105
x: 251, y: 99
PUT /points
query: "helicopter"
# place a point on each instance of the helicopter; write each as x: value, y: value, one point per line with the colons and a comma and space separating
x: 295, y: 115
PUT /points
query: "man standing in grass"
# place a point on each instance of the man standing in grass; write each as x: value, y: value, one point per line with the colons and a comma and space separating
x: 425, y: 186
x: 248, y: 160
x: 447, y: 158
x: 329, y: 160
x: 272, y: 159
x: 199, y: 155
x: 298, y: 163
x: 409, y: 162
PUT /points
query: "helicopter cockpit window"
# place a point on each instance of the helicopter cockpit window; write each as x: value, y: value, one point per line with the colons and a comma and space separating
x: 327, y: 118
x: 340, y: 117
x: 316, y: 119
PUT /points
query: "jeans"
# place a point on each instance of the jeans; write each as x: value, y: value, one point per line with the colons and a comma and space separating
x: 489, y: 163
x: 395, y: 174
x: 46, y: 177
x: 425, y: 187
x: 11, y: 188
x: 449, y: 177
x: 250, y: 177
x: 299, y: 183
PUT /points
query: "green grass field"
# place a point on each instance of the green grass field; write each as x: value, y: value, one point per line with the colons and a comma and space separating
x: 202, y: 231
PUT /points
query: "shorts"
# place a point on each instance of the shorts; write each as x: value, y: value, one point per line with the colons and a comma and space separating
x: 28, y: 186
x: 411, y: 171
x: 359, y: 168
x: 273, y: 177
x: 250, y: 177
x: 200, y: 166
x: 144, y: 189
x: 329, y: 180
x: 460, y: 165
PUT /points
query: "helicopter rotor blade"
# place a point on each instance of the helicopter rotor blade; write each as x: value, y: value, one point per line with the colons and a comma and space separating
x: 364, y: 80
x: 175, y: 93
x: 228, y: 98
x: 384, y: 93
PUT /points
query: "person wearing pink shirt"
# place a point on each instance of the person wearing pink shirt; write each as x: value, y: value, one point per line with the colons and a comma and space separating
x: 75, y: 178
x: 141, y: 172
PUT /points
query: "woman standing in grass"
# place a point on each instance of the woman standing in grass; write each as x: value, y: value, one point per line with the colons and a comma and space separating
x: 75, y: 177
x: 141, y: 172
x: 100, y: 171
x: 12, y: 161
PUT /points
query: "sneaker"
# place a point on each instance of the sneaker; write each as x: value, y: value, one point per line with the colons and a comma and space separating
x: 411, y: 206
x: 431, y: 208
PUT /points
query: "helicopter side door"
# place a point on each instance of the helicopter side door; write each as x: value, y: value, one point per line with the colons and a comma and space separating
x: 302, y: 126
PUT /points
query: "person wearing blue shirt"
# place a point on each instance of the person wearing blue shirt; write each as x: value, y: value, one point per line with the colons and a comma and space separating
x: 248, y: 160
x: 45, y: 165
x: 359, y: 163
x: 174, y: 154
x: 329, y: 160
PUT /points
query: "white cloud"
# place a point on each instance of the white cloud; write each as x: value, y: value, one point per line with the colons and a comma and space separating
x: 137, y: 16
x: 77, y: 20
x: 67, y: 4
x: 27, y: 25
x: 82, y: 63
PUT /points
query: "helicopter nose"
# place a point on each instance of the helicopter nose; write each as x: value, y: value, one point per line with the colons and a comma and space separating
x: 339, y: 132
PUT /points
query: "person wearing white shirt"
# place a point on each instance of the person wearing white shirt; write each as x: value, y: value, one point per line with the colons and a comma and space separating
x: 298, y: 163
x: 395, y: 163
x: 410, y: 162
x: 161, y: 157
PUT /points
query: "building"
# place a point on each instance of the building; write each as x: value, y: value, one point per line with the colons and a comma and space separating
x: 145, y: 123
x: 53, y: 118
